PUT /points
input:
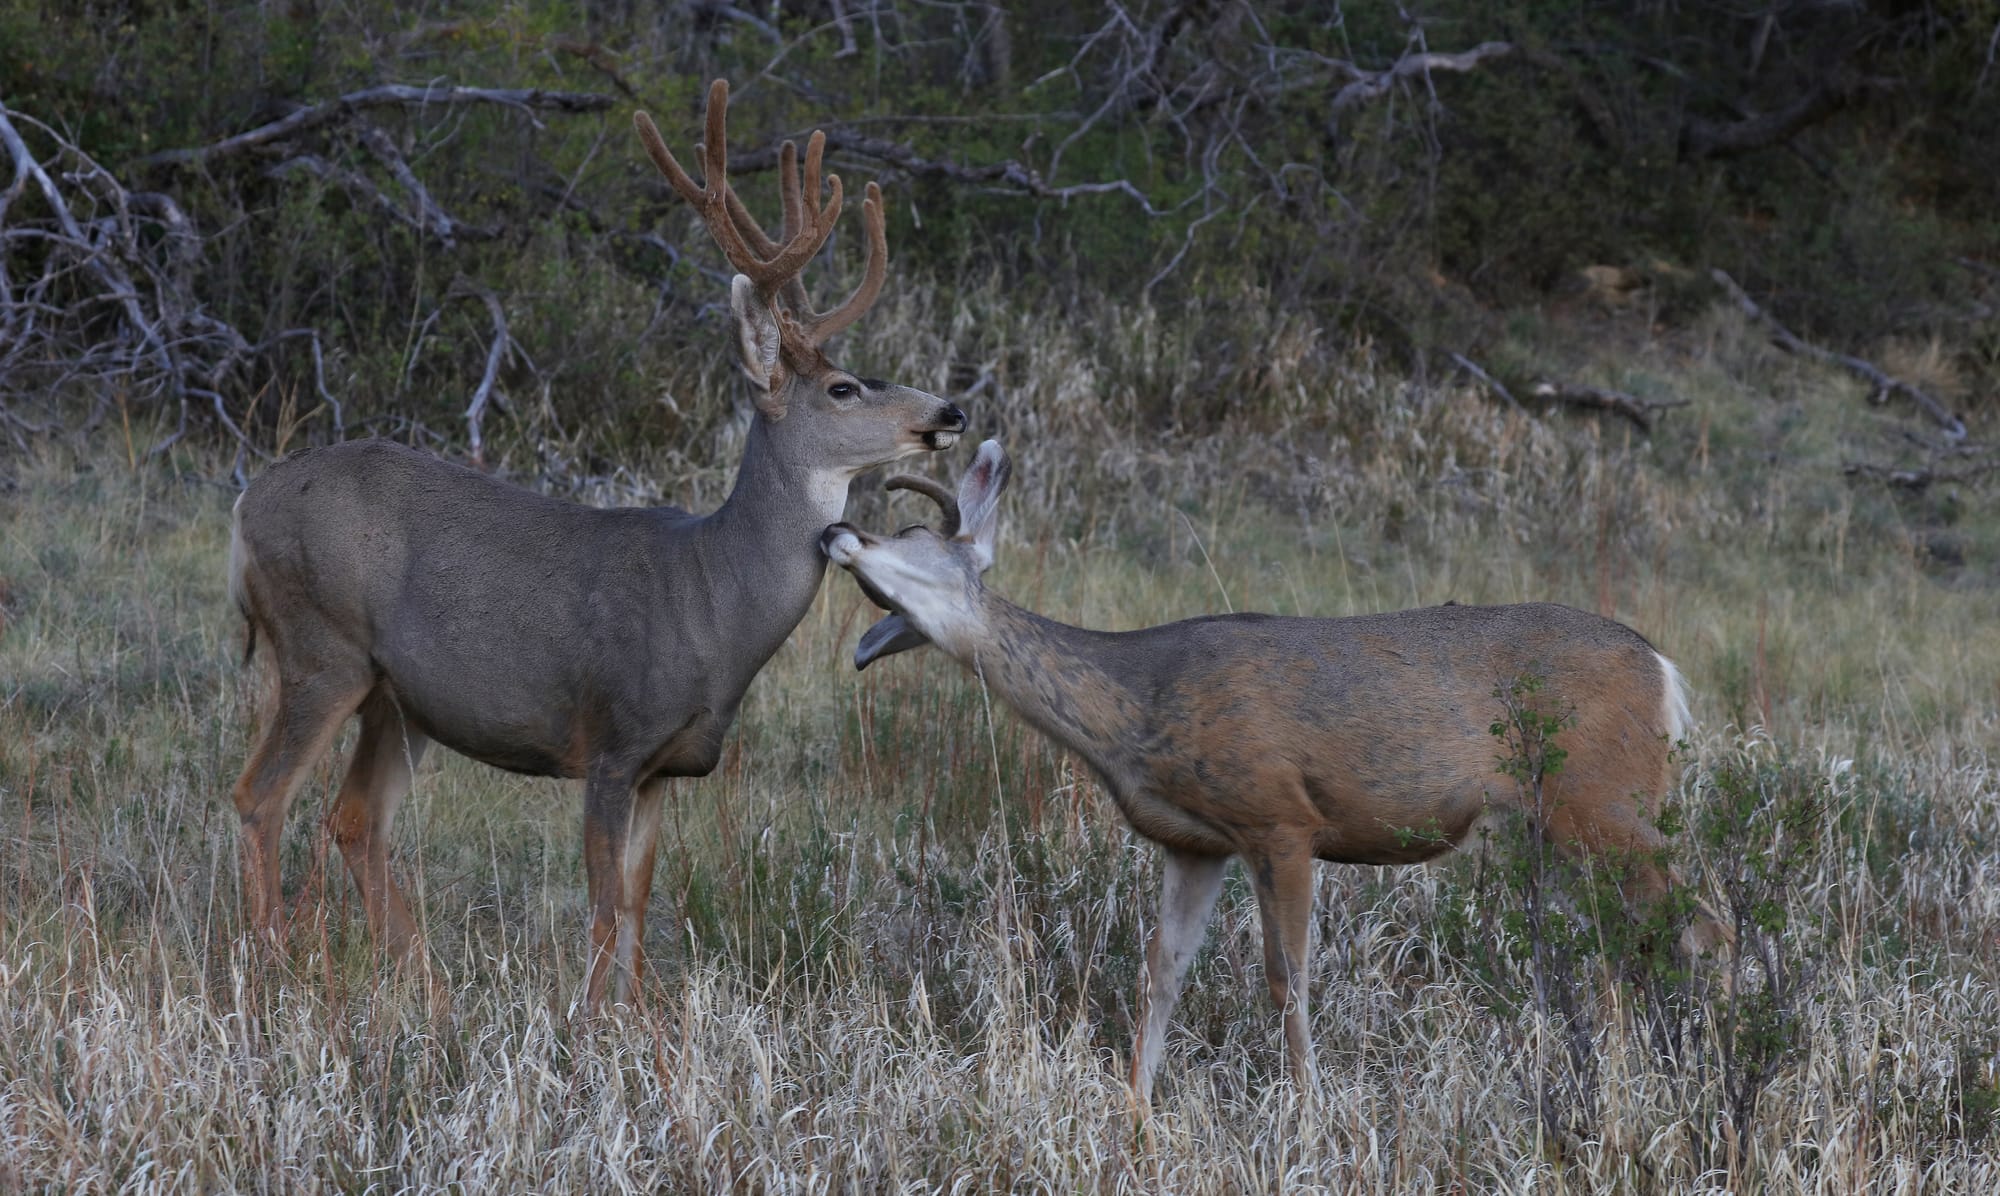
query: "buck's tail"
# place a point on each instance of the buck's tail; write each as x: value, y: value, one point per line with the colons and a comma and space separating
x: 239, y: 563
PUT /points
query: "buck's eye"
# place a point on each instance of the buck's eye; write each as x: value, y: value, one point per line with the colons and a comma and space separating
x: 843, y: 391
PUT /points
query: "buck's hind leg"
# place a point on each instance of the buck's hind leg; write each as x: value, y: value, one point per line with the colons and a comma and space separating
x: 378, y: 778
x: 1189, y: 885
x: 304, y: 711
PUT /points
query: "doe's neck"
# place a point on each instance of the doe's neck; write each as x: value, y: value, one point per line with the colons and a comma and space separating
x: 1076, y: 685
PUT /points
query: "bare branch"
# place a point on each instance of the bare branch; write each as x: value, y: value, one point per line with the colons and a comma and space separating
x: 1703, y: 138
x: 353, y: 182
x: 388, y: 95
x: 1367, y: 85
x: 1885, y: 385
x: 311, y: 335
x: 567, y: 199
x: 109, y: 300
x: 116, y: 281
x: 848, y: 47
x: 721, y: 8
x: 1140, y: 82
x: 604, y: 60
x: 496, y: 356
x: 1007, y: 177
x: 430, y: 216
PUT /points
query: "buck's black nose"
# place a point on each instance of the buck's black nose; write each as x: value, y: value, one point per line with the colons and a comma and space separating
x: 953, y: 417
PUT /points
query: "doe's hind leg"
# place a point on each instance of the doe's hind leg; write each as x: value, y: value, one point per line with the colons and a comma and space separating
x: 1619, y: 826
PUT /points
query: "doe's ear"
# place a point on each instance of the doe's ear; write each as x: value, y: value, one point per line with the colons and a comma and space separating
x: 979, y: 500
x: 756, y: 333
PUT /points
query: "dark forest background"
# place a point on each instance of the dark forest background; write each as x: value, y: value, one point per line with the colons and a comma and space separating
x: 363, y: 211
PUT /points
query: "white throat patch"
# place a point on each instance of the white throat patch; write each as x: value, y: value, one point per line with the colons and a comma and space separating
x: 826, y: 490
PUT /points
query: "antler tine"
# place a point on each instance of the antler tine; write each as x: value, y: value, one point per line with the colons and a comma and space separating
x: 663, y: 158
x: 719, y: 205
x: 712, y: 197
x: 800, y: 248
x: 935, y: 491
x: 788, y: 190
x: 774, y: 266
x: 751, y: 229
x: 822, y: 327
x: 815, y: 150
x: 794, y: 289
x: 728, y: 222
x: 715, y: 145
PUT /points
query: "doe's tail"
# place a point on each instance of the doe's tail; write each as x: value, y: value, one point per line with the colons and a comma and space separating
x: 1674, y: 702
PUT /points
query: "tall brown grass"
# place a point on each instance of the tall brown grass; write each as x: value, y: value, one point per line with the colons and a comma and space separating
x: 897, y: 935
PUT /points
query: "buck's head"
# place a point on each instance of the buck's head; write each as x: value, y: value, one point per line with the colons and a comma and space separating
x: 827, y: 419
x: 928, y: 579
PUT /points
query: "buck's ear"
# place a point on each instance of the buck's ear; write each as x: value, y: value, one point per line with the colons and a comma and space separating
x: 756, y: 331
x: 979, y: 500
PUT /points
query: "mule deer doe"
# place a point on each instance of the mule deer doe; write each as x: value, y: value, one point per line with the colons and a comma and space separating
x: 1361, y: 740
x: 553, y: 639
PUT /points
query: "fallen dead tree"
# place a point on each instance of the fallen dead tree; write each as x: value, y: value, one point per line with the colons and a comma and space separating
x: 1639, y: 412
x: 1961, y: 463
x: 1885, y: 385
x: 1917, y: 479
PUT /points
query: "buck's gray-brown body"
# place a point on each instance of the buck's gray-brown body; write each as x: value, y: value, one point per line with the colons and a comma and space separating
x: 588, y: 637
x: 545, y: 637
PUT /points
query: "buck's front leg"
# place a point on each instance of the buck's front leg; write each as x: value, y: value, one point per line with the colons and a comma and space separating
x: 637, y: 868
x: 1189, y: 885
x: 1282, y: 874
x: 607, y: 822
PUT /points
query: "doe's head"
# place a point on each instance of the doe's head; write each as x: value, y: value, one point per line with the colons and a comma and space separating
x: 836, y: 419
x: 928, y: 579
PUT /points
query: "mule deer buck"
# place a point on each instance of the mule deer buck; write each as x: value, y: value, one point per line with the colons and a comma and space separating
x: 553, y: 639
x: 1361, y: 740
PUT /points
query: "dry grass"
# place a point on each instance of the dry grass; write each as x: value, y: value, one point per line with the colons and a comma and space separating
x: 897, y: 942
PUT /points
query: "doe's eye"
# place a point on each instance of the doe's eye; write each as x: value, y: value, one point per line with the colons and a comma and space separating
x: 843, y: 390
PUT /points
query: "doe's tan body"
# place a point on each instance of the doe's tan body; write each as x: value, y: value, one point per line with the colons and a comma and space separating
x: 1284, y: 741
x: 1364, y: 740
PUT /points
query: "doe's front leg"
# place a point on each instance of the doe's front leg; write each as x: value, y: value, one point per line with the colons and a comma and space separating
x: 1189, y: 885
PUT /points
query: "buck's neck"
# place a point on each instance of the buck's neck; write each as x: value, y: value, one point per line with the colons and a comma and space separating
x: 1072, y: 683
x: 760, y: 549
